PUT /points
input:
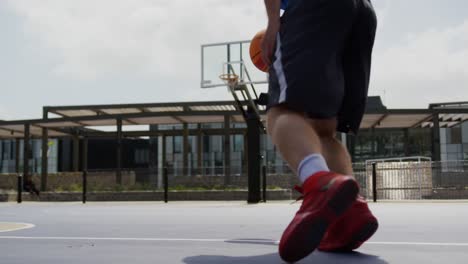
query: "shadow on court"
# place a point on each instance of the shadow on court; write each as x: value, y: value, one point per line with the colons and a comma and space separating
x: 316, y: 257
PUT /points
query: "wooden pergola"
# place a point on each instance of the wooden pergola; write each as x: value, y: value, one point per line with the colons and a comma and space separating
x: 76, y: 121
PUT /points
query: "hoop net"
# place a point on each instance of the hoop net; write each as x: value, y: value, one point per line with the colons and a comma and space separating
x: 230, y: 79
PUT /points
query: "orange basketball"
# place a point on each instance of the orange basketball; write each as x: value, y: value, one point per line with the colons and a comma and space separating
x: 256, y: 51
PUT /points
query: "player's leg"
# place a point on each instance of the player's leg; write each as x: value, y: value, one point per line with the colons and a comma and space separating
x: 292, y: 135
x: 310, y: 136
x: 334, y: 152
x: 306, y: 81
x: 327, y: 195
x: 358, y: 224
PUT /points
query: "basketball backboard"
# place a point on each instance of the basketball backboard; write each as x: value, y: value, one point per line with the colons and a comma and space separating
x: 228, y: 57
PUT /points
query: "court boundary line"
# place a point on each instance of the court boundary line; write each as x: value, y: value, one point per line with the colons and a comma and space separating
x: 150, y: 239
x: 25, y: 226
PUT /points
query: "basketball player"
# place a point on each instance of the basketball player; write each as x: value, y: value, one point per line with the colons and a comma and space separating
x: 319, y: 52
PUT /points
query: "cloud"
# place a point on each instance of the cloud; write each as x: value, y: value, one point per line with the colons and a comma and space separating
x: 4, y: 114
x: 427, y: 67
x: 156, y: 46
x: 91, y: 39
x: 382, y: 10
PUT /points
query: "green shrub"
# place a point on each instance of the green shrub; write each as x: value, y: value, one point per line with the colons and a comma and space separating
x: 76, y: 188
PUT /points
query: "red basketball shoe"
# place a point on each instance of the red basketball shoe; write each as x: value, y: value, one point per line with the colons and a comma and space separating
x: 327, y: 196
x: 351, y: 230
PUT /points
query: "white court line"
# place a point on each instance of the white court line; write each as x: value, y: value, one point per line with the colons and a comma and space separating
x: 419, y: 244
x: 131, y: 239
x: 221, y: 240
x: 22, y: 226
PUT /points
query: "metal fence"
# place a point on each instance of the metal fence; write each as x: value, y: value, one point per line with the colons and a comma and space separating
x: 414, y: 179
x: 391, y: 179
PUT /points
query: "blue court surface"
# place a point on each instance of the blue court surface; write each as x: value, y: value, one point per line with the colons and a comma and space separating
x: 216, y: 232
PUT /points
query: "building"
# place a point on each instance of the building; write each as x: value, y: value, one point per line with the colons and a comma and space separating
x: 209, y: 138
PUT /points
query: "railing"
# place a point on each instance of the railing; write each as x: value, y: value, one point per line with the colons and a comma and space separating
x: 391, y: 179
x: 416, y: 179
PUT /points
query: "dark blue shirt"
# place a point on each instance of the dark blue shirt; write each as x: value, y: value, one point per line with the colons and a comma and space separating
x: 284, y: 4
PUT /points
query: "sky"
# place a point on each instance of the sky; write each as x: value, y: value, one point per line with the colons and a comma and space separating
x: 70, y: 52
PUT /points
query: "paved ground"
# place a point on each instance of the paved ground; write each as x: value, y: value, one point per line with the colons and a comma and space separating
x: 214, y: 233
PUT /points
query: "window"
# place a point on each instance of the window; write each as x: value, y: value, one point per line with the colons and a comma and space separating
x: 169, y: 145
x: 7, y: 147
x: 455, y: 135
x: 141, y: 156
x: 2, y: 151
x: 419, y: 142
x: 178, y: 144
x: 192, y: 141
x: 213, y: 144
x: 238, y: 125
x: 464, y: 132
x: 212, y: 125
x: 52, y: 155
x: 237, y: 143
x: 170, y: 127
x: 363, y: 146
x: 383, y: 143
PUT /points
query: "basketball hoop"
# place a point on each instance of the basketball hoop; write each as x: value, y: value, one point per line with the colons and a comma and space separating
x: 230, y: 79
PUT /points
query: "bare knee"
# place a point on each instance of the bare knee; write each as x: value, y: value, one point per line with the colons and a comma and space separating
x: 325, y: 128
x: 278, y: 114
x: 272, y: 116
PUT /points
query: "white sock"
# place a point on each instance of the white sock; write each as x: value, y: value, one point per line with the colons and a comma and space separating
x: 311, y: 165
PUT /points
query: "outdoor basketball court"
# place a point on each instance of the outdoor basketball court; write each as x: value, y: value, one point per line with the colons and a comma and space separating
x: 216, y: 232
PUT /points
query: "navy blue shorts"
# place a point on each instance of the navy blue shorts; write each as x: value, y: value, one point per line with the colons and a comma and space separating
x: 321, y: 66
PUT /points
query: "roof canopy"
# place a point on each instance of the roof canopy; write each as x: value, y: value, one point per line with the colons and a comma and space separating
x: 72, y: 117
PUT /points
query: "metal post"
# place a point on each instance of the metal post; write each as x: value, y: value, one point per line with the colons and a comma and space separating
x: 163, y: 158
x: 26, y: 153
x: 166, y: 183
x: 44, y: 158
x: 420, y: 172
x: 185, y: 150
x: 227, y: 151
x: 253, y: 157
x: 85, y: 168
x: 264, y: 183
x: 374, y: 181
x: 119, y: 152
x: 17, y: 155
x: 19, y: 199
x: 153, y: 155
x: 245, y: 161
x: 76, y: 153
x: 163, y: 163
x: 45, y: 151
x: 436, y: 156
x: 436, y: 153
x: 200, y: 150
x: 229, y: 70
